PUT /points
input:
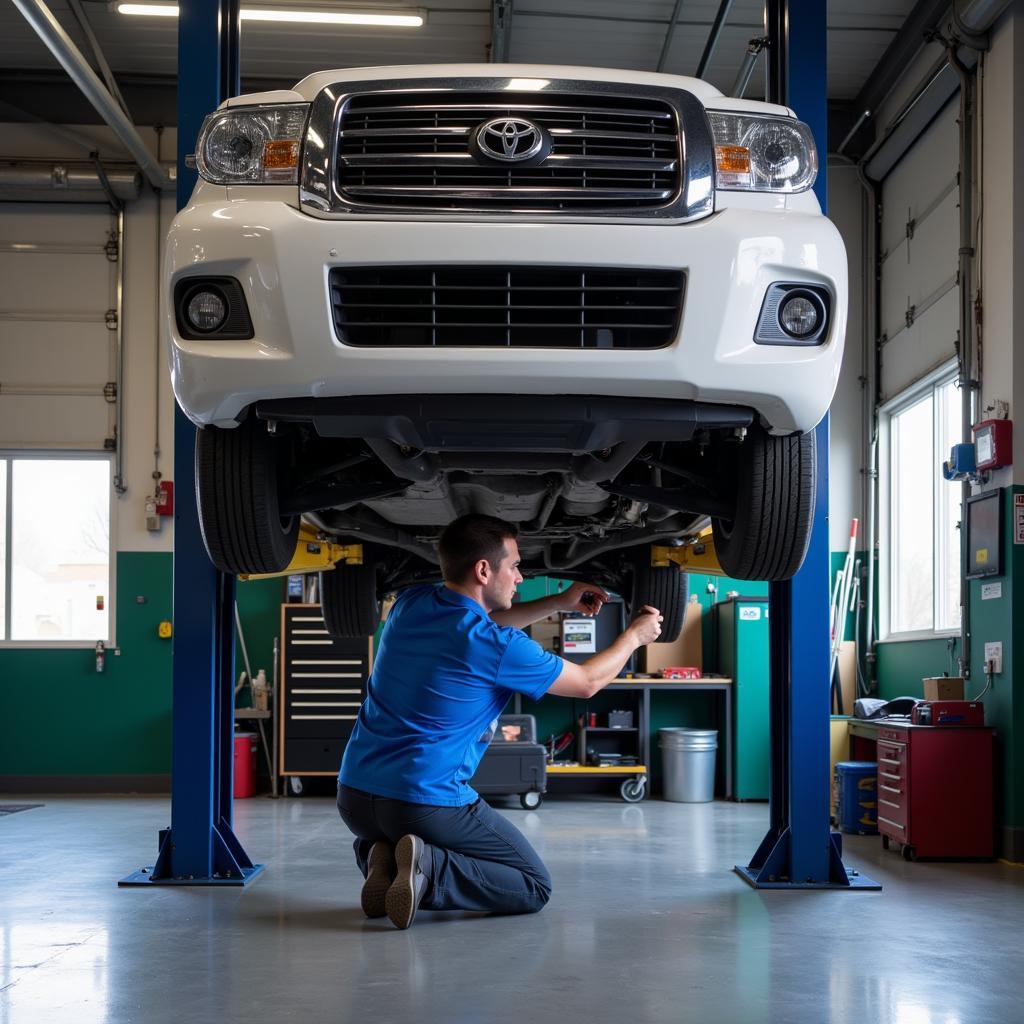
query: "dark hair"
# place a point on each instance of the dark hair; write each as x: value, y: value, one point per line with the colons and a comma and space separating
x: 468, y: 539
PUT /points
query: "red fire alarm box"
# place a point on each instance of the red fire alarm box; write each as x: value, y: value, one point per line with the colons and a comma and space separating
x: 993, y: 444
x: 165, y: 498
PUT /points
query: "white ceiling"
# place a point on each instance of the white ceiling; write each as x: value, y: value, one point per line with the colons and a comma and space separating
x: 603, y: 33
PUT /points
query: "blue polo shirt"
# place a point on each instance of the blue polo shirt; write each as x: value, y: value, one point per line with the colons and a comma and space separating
x: 444, y: 671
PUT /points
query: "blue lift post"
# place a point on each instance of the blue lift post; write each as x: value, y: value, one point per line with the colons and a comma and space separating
x: 200, y: 847
x: 800, y: 851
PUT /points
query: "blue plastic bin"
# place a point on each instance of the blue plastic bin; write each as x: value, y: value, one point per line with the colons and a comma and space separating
x: 857, y: 804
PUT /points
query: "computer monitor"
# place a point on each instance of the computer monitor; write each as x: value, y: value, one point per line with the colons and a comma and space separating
x: 985, y: 535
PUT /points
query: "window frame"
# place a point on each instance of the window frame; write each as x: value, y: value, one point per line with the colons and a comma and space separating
x: 908, y: 397
x: 9, y: 457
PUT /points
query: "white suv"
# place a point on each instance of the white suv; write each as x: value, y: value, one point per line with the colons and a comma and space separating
x: 603, y: 305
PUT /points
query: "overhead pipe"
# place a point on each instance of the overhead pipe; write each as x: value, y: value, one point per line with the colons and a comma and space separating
x: 57, y: 41
x: 68, y: 180
x: 973, y: 23
x: 667, y: 45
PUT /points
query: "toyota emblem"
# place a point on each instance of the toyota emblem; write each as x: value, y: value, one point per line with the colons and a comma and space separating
x: 511, y: 140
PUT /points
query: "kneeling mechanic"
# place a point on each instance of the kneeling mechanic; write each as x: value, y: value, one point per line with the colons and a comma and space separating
x: 450, y: 657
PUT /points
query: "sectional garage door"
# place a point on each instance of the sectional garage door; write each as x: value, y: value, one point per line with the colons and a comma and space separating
x: 58, y: 326
x: 920, y: 243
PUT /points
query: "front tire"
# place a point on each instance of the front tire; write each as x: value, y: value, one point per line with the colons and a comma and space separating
x: 237, y: 479
x: 768, y: 535
x: 348, y: 598
x: 531, y: 800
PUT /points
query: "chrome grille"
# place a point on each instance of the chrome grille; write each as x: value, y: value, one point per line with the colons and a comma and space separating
x: 412, y: 150
x: 517, y: 307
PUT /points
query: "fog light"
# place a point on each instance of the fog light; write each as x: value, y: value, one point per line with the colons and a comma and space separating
x: 800, y: 316
x: 206, y: 311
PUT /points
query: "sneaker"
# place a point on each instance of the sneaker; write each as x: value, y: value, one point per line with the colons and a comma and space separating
x: 403, y: 898
x: 380, y: 873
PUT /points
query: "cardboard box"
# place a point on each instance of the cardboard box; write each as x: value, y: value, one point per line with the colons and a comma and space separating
x: 847, y: 676
x: 687, y: 650
x: 944, y: 688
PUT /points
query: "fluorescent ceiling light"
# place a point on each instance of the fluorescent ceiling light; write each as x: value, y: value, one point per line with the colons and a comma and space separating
x: 153, y: 10
x: 294, y: 15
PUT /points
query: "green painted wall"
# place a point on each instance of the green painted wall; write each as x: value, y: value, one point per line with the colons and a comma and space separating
x: 259, y: 608
x: 60, y: 717
x: 903, y: 664
x: 1002, y: 620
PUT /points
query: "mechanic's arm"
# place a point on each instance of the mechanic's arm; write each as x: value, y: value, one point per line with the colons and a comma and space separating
x: 571, y: 600
x: 588, y: 677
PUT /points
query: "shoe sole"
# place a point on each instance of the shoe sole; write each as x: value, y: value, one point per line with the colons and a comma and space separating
x: 380, y: 874
x: 400, y: 901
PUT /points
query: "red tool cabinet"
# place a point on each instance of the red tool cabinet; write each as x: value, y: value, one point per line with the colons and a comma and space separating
x: 935, y: 790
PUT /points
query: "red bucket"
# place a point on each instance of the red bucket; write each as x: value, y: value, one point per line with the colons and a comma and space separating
x: 245, y: 764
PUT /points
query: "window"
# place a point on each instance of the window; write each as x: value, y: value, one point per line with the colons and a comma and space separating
x: 921, y: 536
x: 55, y: 545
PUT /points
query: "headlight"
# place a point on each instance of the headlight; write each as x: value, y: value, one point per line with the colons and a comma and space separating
x: 252, y: 144
x: 763, y: 154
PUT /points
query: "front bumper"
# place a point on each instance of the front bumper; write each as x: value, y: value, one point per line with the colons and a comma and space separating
x: 282, y: 258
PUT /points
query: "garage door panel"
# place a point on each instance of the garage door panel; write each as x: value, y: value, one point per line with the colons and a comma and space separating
x: 924, y: 173
x: 56, y: 352
x: 55, y: 282
x: 62, y: 353
x: 919, y: 269
x: 28, y: 421
x: 920, y: 348
x: 55, y: 224
x: 919, y: 272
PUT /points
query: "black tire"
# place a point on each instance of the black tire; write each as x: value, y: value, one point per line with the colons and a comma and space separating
x: 775, y: 479
x: 885, y: 842
x: 532, y: 800
x: 663, y: 587
x: 237, y: 478
x: 348, y: 597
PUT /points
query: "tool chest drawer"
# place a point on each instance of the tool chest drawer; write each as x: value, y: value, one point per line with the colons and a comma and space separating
x: 323, y: 685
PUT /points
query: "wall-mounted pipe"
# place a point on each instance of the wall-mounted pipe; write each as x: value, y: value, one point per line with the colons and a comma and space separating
x: 968, y: 385
x: 57, y: 41
x: 62, y: 180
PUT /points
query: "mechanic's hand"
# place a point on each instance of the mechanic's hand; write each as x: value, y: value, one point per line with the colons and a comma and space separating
x: 646, y: 627
x: 585, y: 598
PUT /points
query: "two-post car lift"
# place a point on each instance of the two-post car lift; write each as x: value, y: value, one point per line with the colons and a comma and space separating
x: 799, y: 850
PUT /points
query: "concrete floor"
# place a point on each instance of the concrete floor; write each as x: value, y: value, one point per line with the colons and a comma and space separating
x: 647, y: 923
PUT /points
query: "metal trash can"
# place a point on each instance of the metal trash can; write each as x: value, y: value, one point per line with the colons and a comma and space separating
x: 688, y: 758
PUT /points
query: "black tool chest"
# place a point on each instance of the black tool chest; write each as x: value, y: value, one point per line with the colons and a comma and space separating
x: 323, y: 683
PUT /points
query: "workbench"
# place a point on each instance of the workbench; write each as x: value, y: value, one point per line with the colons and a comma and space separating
x: 645, y: 687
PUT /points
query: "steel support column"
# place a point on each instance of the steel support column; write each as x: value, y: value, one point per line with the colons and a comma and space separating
x: 800, y: 851
x: 200, y: 847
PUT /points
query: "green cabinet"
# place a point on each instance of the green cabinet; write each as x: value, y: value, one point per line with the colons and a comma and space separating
x: 741, y: 648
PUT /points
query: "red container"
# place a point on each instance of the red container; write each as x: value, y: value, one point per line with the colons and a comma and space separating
x: 245, y: 764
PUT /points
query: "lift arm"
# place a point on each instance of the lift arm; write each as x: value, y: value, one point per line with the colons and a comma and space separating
x: 697, y: 557
x: 313, y: 554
